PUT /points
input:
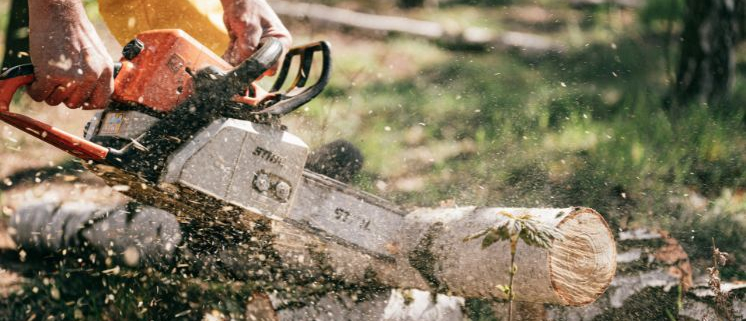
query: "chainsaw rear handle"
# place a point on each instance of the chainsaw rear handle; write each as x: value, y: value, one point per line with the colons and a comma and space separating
x: 18, y: 76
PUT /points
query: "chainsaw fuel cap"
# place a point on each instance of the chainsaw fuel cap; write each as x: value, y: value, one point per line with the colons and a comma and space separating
x: 132, y: 49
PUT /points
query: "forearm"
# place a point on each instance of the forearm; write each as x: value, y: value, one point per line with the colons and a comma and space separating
x: 59, y: 10
x: 230, y: 4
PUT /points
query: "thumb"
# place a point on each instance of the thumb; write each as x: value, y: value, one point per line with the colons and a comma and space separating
x: 229, y: 55
x: 242, y: 46
x: 40, y: 89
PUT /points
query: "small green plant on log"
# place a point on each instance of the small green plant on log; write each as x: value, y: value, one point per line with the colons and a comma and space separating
x: 514, y: 228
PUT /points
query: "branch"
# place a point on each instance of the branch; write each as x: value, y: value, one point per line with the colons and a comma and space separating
x: 634, y: 4
x: 458, y: 38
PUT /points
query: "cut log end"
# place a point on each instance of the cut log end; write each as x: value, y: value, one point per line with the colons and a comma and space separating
x: 576, y: 270
x: 583, y: 263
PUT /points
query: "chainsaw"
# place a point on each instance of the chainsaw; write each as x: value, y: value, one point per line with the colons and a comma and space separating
x: 188, y: 133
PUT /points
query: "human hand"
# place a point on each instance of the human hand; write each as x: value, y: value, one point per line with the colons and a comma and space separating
x: 71, y: 64
x: 248, y: 21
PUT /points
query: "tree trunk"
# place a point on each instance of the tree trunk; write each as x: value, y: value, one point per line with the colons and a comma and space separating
x: 429, y: 251
x: 712, y: 29
x: 653, y: 269
x: 16, y: 36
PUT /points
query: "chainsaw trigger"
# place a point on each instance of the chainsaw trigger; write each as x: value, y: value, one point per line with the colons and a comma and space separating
x: 255, y: 96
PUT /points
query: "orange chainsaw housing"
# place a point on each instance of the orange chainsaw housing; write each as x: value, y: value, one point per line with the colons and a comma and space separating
x: 157, y: 73
x: 157, y: 77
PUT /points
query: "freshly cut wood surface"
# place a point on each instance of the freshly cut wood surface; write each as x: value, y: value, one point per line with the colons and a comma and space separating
x: 584, y: 262
x: 653, y: 271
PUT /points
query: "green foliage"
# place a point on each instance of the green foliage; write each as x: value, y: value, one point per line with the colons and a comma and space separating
x: 524, y: 227
x: 657, y: 13
x: 512, y: 229
x: 486, y: 3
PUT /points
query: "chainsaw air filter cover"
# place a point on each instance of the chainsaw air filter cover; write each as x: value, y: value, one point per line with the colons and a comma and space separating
x: 256, y: 167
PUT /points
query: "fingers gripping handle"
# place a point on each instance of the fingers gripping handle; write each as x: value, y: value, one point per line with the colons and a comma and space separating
x: 22, y: 75
x: 255, y: 66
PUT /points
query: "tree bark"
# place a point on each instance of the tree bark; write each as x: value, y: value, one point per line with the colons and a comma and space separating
x: 712, y: 29
x: 393, y: 305
x: 653, y: 269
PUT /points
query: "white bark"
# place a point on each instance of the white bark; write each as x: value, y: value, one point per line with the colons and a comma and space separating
x: 700, y: 303
x: 396, y: 305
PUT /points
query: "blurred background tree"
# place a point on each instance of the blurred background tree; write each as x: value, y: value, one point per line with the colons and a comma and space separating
x: 16, y: 36
x: 707, y: 65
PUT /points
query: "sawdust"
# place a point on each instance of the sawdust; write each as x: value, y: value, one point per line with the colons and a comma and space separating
x: 9, y: 281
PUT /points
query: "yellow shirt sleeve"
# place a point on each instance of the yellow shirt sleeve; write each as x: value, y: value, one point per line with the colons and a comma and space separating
x: 201, y: 19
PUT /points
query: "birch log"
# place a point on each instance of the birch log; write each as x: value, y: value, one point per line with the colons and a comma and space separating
x: 428, y: 251
x: 653, y: 268
x: 393, y: 305
x: 701, y: 303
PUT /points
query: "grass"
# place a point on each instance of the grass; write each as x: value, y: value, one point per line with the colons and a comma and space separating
x: 587, y: 127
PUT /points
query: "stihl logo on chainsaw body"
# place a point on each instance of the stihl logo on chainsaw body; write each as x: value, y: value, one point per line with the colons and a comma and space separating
x: 268, y: 156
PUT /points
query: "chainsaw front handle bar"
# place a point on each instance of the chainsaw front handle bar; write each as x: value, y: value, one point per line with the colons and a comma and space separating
x: 298, y: 94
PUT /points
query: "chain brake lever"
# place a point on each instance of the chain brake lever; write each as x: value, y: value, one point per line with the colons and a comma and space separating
x: 298, y: 94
